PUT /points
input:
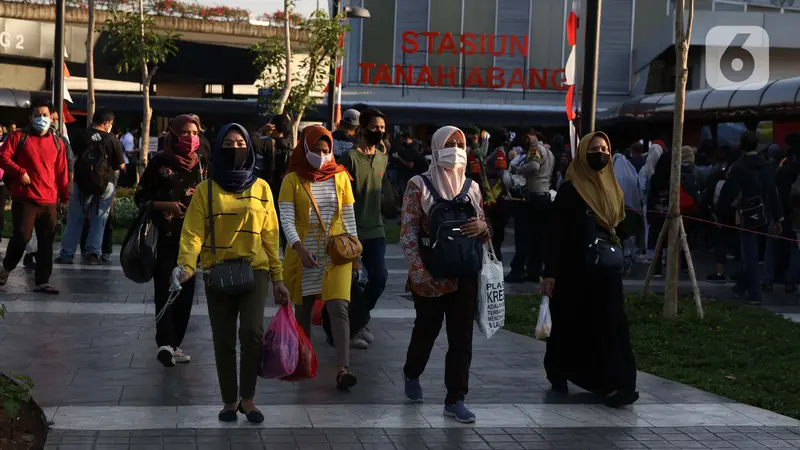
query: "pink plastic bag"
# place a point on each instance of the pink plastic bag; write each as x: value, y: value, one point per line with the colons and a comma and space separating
x: 279, y: 349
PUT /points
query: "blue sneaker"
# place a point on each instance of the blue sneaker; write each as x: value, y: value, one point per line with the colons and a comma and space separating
x: 459, y: 412
x: 413, y: 390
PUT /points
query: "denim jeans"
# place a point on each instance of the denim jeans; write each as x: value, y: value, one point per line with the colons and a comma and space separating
x: 770, y: 258
x: 749, y: 280
x: 372, y: 258
x: 81, y: 207
x: 794, y: 264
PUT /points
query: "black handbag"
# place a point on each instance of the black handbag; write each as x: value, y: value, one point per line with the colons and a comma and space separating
x: 232, y: 276
x: 604, y: 255
x: 139, y: 249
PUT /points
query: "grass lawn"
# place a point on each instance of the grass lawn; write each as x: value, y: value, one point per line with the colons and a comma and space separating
x: 743, y: 353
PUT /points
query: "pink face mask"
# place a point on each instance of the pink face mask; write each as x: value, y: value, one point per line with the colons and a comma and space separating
x: 188, y: 144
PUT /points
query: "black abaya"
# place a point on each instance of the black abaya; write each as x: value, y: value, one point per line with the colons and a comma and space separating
x: 590, y: 343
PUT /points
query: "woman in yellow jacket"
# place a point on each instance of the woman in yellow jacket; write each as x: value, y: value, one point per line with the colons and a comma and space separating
x: 245, y: 226
x: 315, y: 188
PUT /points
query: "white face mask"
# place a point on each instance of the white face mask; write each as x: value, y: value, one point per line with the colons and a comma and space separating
x: 317, y: 161
x: 451, y: 158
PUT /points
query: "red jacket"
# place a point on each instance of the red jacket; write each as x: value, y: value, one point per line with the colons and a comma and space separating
x: 45, y: 164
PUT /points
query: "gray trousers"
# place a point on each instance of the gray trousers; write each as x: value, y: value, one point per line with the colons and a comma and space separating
x: 340, y: 325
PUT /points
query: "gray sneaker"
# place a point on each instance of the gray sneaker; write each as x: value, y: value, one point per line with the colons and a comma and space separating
x: 366, y: 335
x: 105, y: 257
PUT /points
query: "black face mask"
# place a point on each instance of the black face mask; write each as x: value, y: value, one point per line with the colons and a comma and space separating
x: 597, y: 160
x: 373, y: 137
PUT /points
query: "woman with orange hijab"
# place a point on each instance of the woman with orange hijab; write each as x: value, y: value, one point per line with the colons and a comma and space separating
x: 315, y: 202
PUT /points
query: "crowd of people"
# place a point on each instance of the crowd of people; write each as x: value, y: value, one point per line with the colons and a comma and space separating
x: 268, y: 214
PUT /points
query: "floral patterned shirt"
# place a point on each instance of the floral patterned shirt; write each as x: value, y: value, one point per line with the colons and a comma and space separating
x: 162, y: 181
x: 414, y: 221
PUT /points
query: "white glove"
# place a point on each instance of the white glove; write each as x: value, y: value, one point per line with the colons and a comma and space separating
x: 174, y: 283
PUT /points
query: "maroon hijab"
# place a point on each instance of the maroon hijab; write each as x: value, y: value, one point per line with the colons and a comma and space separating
x: 171, y: 150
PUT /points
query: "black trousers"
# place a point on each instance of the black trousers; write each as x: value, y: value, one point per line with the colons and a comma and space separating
x: 497, y: 216
x: 3, y: 199
x: 530, y: 225
x: 171, y: 329
x: 27, y: 217
x: 459, y: 307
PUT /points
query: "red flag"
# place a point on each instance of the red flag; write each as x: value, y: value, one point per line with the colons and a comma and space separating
x: 67, y: 116
x: 572, y: 28
x: 570, y: 110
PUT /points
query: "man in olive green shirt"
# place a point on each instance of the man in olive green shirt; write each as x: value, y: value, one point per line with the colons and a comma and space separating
x: 367, y: 165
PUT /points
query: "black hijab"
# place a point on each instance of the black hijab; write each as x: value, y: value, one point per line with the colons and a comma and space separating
x: 225, y: 171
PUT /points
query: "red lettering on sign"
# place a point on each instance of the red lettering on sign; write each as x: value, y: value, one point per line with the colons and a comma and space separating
x: 493, y: 41
x: 410, y: 44
x: 365, y: 67
x: 448, y: 44
x: 535, y: 77
x: 522, y: 47
x: 497, y: 79
x: 483, y: 44
x: 431, y: 35
x: 557, y: 79
x: 517, y: 78
x: 468, y: 46
x: 425, y: 76
x: 383, y: 76
x: 447, y: 74
x: 475, y: 79
x: 406, y: 73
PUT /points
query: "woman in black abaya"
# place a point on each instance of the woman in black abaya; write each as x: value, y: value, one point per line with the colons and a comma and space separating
x: 590, y: 342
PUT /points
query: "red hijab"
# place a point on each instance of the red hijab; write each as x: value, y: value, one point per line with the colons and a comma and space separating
x: 171, y: 150
x: 299, y: 164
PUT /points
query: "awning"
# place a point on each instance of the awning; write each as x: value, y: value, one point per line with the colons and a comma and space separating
x: 11, y: 98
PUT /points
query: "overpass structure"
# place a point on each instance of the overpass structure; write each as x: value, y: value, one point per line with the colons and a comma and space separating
x: 209, y: 52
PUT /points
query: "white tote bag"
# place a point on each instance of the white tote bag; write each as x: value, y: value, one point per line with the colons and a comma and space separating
x: 491, y: 315
x: 33, y: 245
x: 545, y: 324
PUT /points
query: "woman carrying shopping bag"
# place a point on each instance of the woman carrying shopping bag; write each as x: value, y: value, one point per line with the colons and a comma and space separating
x: 443, y: 282
x: 232, y: 226
x: 166, y: 189
x: 590, y: 344
x: 316, y: 207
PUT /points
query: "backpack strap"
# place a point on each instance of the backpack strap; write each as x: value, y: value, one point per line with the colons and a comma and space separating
x: 465, y: 189
x: 211, y: 221
x: 429, y: 185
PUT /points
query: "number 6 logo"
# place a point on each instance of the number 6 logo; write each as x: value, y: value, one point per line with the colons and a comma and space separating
x: 737, y: 57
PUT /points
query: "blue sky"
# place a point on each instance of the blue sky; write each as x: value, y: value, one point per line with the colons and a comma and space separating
x: 257, y: 7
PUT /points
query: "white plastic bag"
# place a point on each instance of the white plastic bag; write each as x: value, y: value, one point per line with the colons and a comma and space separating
x: 544, y: 324
x: 491, y: 314
x: 33, y: 245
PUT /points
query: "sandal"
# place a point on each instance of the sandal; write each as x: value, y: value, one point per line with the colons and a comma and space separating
x: 46, y: 289
x: 345, y: 380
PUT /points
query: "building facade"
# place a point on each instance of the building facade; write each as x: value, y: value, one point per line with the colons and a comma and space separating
x: 511, y: 53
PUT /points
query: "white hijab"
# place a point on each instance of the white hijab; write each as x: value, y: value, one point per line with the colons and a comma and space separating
x: 447, y: 182
x: 628, y: 180
x: 647, y: 171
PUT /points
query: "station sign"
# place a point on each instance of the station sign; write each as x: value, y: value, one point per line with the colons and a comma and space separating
x: 472, y: 77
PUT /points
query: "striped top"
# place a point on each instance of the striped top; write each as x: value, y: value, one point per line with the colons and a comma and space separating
x: 324, y: 193
x: 245, y: 226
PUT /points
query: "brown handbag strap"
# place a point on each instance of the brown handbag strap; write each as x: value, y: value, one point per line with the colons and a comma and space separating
x: 307, y: 187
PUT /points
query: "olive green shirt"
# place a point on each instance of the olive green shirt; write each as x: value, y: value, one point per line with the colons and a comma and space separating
x: 367, y: 172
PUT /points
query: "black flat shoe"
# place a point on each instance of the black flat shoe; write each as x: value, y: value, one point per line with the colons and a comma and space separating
x: 345, y: 380
x: 560, y: 387
x: 253, y: 416
x: 621, y: 398
x: 228, y: 415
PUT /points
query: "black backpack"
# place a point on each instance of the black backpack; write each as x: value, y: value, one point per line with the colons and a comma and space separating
x: 92, y: 169
x: 446, y: 252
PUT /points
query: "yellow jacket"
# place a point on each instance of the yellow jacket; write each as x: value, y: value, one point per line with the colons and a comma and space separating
x: 336, y: 281
x: 245, y: 226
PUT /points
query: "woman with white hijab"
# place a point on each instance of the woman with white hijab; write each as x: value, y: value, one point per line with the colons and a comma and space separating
x: 437, y: 298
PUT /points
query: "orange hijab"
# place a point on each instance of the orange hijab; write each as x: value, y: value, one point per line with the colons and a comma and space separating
x: 300, y: 165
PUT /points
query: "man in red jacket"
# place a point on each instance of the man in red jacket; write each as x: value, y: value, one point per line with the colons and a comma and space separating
x: 35, y: 163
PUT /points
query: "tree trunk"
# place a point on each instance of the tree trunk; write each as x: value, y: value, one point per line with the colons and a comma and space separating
x: 90, y: 103
x: 146, y: 78
x: 287, y: 84
x: 682, y: 39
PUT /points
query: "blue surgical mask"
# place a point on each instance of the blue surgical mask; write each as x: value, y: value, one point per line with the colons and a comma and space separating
x: 41, y: 124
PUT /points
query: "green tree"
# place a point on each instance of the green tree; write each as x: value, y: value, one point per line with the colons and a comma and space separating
x: 139, y: 47
x: 320, y: 50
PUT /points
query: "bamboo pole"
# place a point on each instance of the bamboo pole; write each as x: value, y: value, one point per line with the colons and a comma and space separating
x: 690, y: 265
